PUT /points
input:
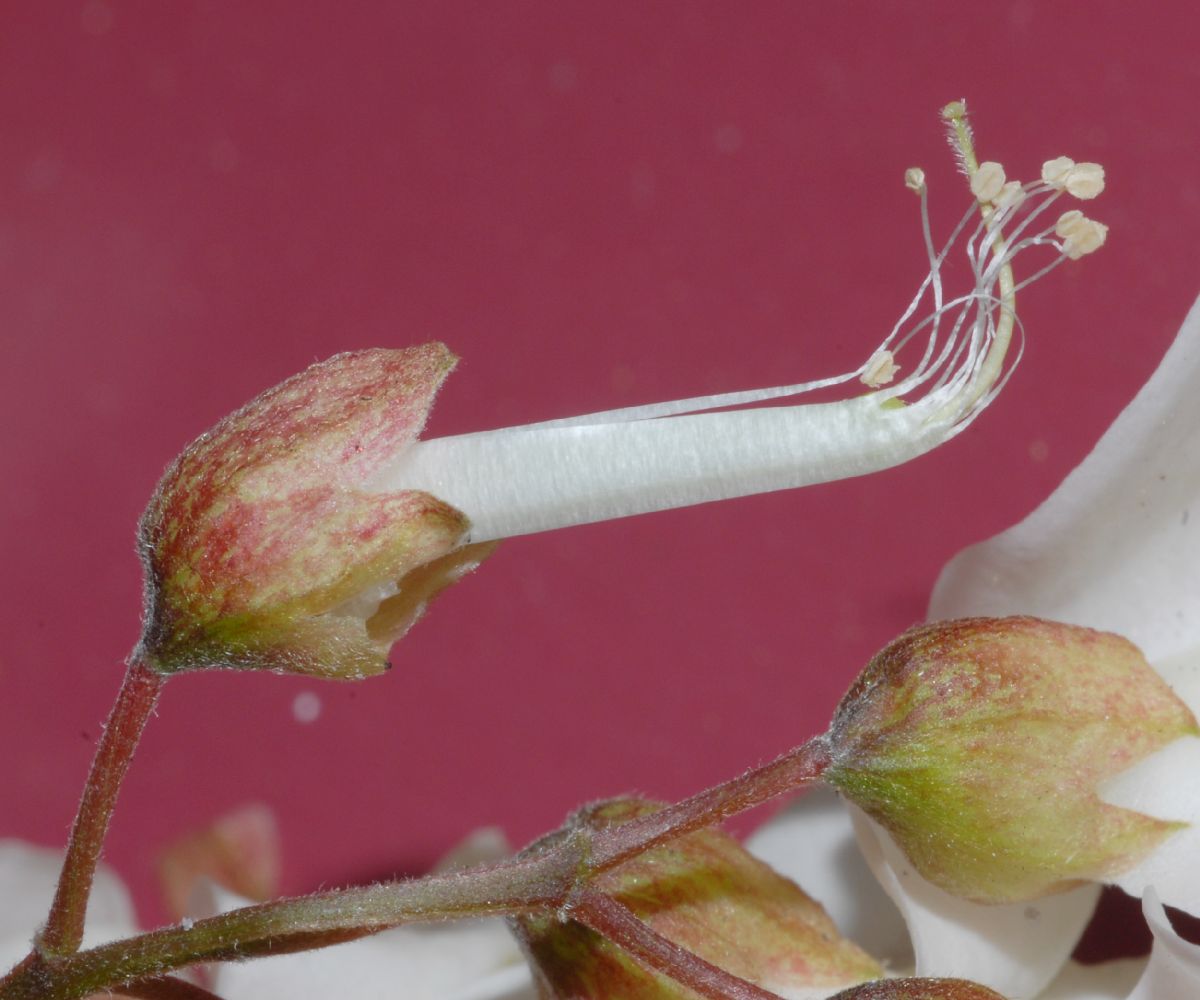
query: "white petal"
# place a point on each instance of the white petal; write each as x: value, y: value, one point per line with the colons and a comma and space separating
x: 812, y: 843
x: 1174, y: 969
x: 1182, y: 672
x: 1164, y: 785
x: 1103, y: 981
x: 1117, y: 546
x: 1016, y: 949
x: 513, y: 982
x: 466, y: 960
x: 28, y: 876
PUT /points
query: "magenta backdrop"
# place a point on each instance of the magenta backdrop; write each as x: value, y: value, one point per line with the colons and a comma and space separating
x: 594, y: 205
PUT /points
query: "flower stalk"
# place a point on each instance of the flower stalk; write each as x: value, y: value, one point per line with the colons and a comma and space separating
x: 299, y: 924
x: 794, y: 770
x: 135, y: 702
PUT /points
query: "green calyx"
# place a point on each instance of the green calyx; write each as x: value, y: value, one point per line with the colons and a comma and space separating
x: 264, y: 545
x: 980, y: 746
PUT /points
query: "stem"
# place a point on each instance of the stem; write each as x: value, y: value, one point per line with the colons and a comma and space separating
x: 797, y: 768
x: 135, y: 701
x: 521, y: 885
x: 619, y: 924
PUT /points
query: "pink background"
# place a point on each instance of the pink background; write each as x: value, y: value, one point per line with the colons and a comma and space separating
x: 594, y: 205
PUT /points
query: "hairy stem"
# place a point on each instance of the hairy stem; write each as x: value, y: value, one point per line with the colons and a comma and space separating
x: 135, y: 701
x: 796, y: 769
x: 518, y: 886
x: 619, y: 924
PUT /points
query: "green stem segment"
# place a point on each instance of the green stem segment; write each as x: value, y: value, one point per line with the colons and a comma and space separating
x: 135, y: 701
x: 289, y: 925
x: 796, y: 769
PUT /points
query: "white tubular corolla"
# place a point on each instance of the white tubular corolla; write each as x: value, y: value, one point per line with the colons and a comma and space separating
x: 541, y: 476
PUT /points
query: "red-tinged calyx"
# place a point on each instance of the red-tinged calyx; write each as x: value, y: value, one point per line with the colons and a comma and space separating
x: 980, y: 745
x: 918, y: 989
x: 263, y: 550
x: 706, y: 894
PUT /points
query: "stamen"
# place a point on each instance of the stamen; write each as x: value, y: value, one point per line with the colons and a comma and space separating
x: 914, y: 179
x: 1080, y: 234
x: 1011, y: 195
x: 1054, y: 172
x: 1080, y: 180
x: 881, y: 369
x: 1085, y: 180
x: 992, y: 363
x: 643, y: 458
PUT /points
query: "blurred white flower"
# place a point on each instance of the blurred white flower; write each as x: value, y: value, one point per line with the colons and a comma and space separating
x: 28, y: 875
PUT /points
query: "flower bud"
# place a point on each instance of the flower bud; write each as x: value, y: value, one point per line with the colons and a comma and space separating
x: 263, y: 550
x: 706, y: 894
x: 980, y: 745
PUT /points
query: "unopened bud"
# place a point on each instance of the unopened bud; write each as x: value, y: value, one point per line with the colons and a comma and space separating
x: 980, y: 745
x: 705, y: 893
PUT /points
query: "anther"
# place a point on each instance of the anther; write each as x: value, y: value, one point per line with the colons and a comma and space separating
x: 1011, y: 195
x: 880, y: 370
x: 987, y: 181
x: 1085, y: 180
x: 1080, y: 235
x: 1054, y: 172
